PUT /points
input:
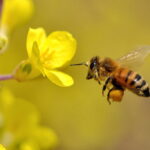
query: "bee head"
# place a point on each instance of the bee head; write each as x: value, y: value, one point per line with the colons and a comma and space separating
x: 93, y: 65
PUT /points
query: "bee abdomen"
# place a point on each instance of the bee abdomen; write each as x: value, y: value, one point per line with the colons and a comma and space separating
x: 140, y: 86
x: 146, y: 92
x: 132, y: 81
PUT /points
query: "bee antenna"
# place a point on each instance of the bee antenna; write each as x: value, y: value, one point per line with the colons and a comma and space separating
x: 83, y: 63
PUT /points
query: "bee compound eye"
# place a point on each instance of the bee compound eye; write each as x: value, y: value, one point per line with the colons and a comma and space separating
x: 91, y: 65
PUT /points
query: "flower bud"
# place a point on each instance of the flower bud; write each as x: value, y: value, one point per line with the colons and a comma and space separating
x: 25, y: 71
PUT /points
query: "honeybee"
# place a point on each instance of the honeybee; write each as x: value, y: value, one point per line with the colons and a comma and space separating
x: 118, y: 74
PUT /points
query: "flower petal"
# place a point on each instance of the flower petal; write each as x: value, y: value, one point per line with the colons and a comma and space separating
x: 59, y: 78
x: 35, y: 58
x: 62, y: 47
x: 35, y: 35
x: 15, y: 13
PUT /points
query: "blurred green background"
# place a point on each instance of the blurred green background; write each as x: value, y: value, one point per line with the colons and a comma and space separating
x: 80, y: 116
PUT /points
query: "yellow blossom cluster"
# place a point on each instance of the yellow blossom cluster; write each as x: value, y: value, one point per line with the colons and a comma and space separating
x: 20, y: 125
x: 48, y: 55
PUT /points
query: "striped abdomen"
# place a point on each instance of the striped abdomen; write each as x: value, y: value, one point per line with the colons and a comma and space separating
x: 133, y: 81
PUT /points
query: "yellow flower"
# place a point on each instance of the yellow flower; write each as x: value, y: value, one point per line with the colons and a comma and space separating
x: 49, y: 54
x: 20, y: 125
x: 15, y: 13
x: 2, y: 148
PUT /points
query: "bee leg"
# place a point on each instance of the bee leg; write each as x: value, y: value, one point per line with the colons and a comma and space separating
x: 108, y: 100
x: 108, y: 95
x: 96, y: 77
x: 105, y: 85
x: 99, y: 82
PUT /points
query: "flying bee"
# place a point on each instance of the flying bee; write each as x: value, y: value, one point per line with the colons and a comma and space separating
x: 118, y: 75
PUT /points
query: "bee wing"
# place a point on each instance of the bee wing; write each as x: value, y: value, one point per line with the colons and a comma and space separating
x: 135, y: 58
